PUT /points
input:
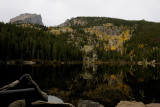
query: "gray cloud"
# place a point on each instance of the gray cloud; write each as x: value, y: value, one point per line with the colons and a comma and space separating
x: 55, y: 12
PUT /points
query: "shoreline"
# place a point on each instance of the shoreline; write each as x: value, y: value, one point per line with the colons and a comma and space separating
x: 54, y: 62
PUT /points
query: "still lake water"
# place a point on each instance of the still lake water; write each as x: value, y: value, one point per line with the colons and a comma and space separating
x: 107, y: 84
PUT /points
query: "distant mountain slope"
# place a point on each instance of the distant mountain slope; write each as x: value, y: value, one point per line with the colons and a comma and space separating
x: 88, y: 39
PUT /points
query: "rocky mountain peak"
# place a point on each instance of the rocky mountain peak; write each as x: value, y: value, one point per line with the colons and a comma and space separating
x: 27, y: 18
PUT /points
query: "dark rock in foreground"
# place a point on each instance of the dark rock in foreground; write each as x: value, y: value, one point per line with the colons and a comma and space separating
x: 27, y: 18
x: 88, y: 103
x: 18, y: 103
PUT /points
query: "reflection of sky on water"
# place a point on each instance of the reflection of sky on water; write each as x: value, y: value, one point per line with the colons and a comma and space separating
x: 54, y: 99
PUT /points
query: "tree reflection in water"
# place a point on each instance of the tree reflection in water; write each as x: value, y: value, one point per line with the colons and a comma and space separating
x: 107, y: 84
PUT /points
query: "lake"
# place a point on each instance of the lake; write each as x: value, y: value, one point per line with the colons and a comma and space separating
x: 107, y: 84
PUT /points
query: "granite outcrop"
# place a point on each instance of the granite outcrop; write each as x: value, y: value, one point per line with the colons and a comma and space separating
x: 27, y: 18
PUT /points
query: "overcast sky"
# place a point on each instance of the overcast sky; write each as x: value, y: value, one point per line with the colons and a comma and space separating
x: 54, y: 12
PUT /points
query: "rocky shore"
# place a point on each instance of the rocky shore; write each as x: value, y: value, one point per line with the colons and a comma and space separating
x: 25, y: 93
x: 136, y: 104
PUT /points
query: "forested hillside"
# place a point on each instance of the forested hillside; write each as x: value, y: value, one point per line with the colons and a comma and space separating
x: 121, y: 39
x: 87, y: 39
x: 33, y: 42
x: 145, y: 42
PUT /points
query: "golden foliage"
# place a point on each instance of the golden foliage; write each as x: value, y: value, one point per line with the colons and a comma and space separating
x: 113, y: 48
x: 131, y: 53
x: 140, y: 45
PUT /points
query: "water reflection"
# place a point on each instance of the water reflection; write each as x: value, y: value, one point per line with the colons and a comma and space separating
x: 103, y: 83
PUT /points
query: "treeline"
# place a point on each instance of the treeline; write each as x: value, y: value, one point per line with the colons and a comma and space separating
x: 26, y: 43
x: 111, y: 55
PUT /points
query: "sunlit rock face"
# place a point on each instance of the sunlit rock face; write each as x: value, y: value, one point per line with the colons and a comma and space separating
x: 27, y: 18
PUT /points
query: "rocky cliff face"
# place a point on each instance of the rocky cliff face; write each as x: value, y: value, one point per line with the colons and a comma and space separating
x: 90, y: 34
x: 73, y: 22
x: 27, y: 18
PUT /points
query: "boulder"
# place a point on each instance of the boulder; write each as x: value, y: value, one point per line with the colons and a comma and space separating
x: 153, y: 105
x: 22, y: 103
x: 88, y: 103
x: 136, y: 104
x: 130, y: 104
x: 18, y: 103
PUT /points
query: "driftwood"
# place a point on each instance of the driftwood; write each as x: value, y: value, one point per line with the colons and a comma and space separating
x: 26, y: 93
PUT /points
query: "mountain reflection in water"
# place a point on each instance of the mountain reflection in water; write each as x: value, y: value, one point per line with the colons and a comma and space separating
x: 102, y: 83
